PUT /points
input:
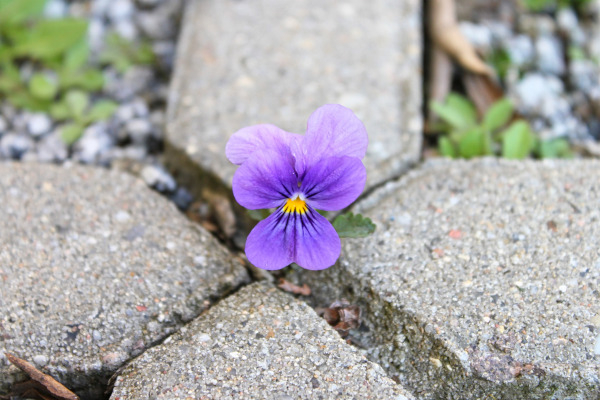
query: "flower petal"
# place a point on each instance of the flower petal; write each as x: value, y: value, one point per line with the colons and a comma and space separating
x: 264, y: 180
x: 334, y: 183
x: 334, y: 131
x: 307, y: 239
x: 252, y: 138
x: 318, y: 245
x: 270, y: 245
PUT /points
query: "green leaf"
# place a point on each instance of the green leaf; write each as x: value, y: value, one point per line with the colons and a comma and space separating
x: 122, y: 54
x: 13, y: 12
x: 42, y: 88
x: 77, y: 56
x: 464, y: 107
x: 70, y: 133
x: 102, y: 110
x: 89, y: 79
x: 60, y: 111
x: 77, y: 101
x: 24, y: 99
x: 51, y: 38
x: 498, y: 115
x: 458, y: 112
x: 556, y: 148
x: 472, y: 144
x: 10, y: 79
x: 517, y: 141
x: 353, y: 226
x: 446, y: 148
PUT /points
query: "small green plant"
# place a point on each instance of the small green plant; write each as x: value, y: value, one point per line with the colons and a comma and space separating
x: 540, y: 5
x: 466, y: 137
x: 64, y: 83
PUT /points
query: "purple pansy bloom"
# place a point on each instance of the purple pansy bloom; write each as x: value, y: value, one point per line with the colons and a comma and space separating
x: 297, y: 174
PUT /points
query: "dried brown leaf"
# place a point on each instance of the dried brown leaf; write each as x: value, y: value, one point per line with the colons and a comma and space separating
x: 342, y: 316
x: 482, y: 90
x: 445, y: 33
x: 303, y: 290
x: 55, y: 388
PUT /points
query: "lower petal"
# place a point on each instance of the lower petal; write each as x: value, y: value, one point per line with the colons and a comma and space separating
x: 305, y: 238
x: 317, y: 243
x: 270, y: 245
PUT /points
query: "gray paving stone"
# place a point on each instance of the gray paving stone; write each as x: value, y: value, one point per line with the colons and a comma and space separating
x: 241, y: 63
x: 257, y: 344
x: 95, y: 268
x: 482, y: 279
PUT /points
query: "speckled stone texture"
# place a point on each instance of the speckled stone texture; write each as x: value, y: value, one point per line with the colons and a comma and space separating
x: 94, y: 268
x: 482, y: 279
x: 257, y: 344
x: 241, y: 63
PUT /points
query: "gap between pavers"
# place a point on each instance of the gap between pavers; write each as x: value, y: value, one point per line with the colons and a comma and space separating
x: 94, y: 269
x: 267, y: 61
x: 482, y: 279
x: 258, y: 343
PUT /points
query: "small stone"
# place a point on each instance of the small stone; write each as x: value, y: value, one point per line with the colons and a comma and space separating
x: 533, y: 89
x: 3, y: 124
x: 550, y: 55
x: 520, y: 48
x: 96, y: 30
x: 135, y: 80
x: 138, y: 130
x: 182, y: 198
x: 120, y: 10
x: 164, y: 51
x: 157, y: 178
x: 93, y: 143
x: 56, y: 9
x: 148, y: 3
x: 39, y: 124
x: 100, y: 7
x: 156, y: 25
x: 40, y: 360
x: 140, y: 107
x: 479, y: 36
x: 566, y: 20
x: 584, y: 74
x: 52, y: 148
x: 126, y: 29
x: 125, y: 112
x: 14, y: 145
x: 96, y: 335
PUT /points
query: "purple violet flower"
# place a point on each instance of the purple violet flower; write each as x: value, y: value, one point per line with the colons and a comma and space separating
x: 297, y: 174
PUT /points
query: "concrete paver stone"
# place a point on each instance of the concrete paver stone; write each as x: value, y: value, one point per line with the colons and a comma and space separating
x: 241, y: 63
x: 94, y: 268
x: 259, y: 343
x: 482, y: 279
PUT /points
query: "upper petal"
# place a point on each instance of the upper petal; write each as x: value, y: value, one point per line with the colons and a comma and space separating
x: 264, y: 180
x: 252, y: 138
x: 333, y: 130
x: 334, y: 183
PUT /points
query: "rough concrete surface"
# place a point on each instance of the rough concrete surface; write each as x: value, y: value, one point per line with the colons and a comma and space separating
x: 482, y: 279
x: 241, y: 63
x: 259, y: 343
x: 94, y: 268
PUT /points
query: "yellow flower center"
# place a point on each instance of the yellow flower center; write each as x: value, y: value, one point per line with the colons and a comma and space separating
x: 296, y: 205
